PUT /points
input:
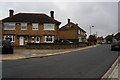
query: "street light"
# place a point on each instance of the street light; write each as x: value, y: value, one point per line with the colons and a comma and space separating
x: 90, y: 29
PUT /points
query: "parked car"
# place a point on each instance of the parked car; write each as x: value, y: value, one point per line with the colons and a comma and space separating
x: 115, y: 46
x: 66, y: 41
x: 109, y: 42
x: 6, y: 47
x: 99, y: 42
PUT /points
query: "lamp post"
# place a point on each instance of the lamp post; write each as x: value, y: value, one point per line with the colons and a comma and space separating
x: 90, y: 29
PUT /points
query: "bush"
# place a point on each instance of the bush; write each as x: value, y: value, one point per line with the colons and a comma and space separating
x: 72, y: 40
x: 50, y: 43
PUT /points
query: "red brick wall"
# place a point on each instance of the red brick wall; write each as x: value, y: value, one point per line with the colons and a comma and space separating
x: 68, y: 34
x: 29, y: 31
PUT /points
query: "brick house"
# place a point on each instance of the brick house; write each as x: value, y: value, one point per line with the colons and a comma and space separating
x: 23, y: 28
x: 100, y: 39
x: 117, y: 36
x: 72, y: 32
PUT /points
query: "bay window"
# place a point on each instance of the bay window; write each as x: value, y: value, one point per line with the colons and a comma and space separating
x: 33, y: 39
x: 49, y: 39
x: 9, y: 38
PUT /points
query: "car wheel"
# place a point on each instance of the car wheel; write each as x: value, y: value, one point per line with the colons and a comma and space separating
x: 112, y: 49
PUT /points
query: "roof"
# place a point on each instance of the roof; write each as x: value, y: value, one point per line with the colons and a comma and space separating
x: 72, y: 27
x: 100, y: 38
x: 31, y: 18
x: 117, y: 36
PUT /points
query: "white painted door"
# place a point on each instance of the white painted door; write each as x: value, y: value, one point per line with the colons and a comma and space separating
x: 21, y: 40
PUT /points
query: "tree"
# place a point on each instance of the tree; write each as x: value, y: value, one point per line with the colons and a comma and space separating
x: 109, y: 38
x: 92, y: 38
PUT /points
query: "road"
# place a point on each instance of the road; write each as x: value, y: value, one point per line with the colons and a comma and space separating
x: 89, y: 63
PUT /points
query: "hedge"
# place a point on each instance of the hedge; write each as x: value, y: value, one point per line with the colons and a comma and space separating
x: 56, y: 43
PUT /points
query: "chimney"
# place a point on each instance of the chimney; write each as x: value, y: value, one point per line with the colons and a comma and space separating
x: 68, y: 20
x: 76, y: 24
x: 11, y: 12
x: 52, y: 14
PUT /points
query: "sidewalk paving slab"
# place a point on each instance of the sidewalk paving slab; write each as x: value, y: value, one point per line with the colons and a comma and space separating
x: 113, y: 72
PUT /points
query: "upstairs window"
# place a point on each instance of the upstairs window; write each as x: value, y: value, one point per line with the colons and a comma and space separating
x: 9, y: 26
x: 34, y: 26
x: 78, y: 31
x: 49, y: 27
x: 23, y: 26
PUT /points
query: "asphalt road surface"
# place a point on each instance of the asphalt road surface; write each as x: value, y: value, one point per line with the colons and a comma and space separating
x: 89, y: 63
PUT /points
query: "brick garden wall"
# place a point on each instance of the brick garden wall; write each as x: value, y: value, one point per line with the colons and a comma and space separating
x: 54, y: 46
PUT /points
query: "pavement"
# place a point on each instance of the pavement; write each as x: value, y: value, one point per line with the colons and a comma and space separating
x: 112, y: 73
x: 33, y: 53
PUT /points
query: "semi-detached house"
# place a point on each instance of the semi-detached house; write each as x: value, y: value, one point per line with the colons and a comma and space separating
x: 72, y: 32
x: 23, y: 28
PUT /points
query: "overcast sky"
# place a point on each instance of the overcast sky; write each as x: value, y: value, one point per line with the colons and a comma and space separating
x: 102, y: 15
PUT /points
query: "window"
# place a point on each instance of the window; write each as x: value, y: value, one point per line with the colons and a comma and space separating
x: 80, y: 40
x: 9, y: 26
x: 34, y: 26
x: 78, y: 31
x: 9, y: 37
x: 33, y: 39
x: 37, y: 39
x: 49, y: 39
x: 82, y: 33
x: 49, y: 27
x: 24, y: 26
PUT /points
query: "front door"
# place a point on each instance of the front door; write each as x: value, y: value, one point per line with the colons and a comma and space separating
x: 21, y: 40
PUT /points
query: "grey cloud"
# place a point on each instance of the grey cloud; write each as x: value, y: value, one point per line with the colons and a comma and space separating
x: 103, y: 15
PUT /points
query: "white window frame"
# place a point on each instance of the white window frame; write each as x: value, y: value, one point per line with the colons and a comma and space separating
x: 34, y: 26
x: 79, y: 31
x: 36, y: 39
x: 25, y: 25
x: 32, y: 39
x: 47, y: 26
x: 12, y: 36
x: 9, y: 24
x: 49, y: 37
x: 80, y: 39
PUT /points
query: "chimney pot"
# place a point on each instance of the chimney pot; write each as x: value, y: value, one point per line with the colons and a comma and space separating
x: 76, y: 24
x: 52, y: 14
x: 68, y: 20
x: 11, y: 12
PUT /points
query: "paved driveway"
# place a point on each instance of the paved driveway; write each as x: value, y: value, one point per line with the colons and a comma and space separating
x: 31, y: 52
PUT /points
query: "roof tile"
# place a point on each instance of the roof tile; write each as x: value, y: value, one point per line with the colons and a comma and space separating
x: 31, y: 18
